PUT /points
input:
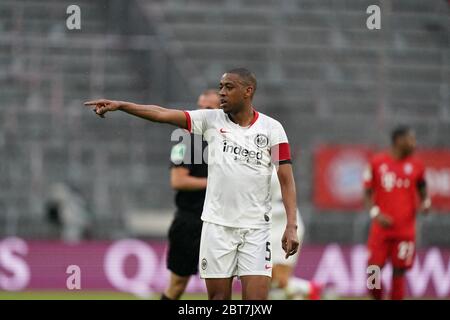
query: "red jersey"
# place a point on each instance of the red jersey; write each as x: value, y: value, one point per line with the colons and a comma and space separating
x: 394, y: 184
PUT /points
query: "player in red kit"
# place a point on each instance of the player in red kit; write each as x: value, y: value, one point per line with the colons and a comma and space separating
x: 394, y: 185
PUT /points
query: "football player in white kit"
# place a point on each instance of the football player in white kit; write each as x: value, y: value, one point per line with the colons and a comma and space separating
x: 243, y: 148
x: 284, y: 284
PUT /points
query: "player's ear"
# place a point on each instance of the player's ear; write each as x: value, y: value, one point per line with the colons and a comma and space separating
x: 249, y: 91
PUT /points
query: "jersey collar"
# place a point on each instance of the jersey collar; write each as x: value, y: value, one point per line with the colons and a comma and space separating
x: 255, y: 117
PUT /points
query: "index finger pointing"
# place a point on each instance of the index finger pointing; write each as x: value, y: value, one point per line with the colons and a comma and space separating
x: 93, y: 102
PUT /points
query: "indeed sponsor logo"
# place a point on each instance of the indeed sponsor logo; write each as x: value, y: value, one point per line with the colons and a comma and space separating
x: 238, y: 150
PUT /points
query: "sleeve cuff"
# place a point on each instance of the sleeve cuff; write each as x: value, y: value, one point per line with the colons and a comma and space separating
x: 188, y: 121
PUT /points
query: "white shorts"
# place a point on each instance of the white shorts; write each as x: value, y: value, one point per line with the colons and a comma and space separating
x: 278, y: 227
x: 226, y: 252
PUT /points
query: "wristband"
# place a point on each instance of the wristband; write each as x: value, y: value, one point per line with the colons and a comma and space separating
x: 374, y: 212
x: 427, y: 203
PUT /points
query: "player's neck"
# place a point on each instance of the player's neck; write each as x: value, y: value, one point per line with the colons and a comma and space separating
x: 244, y: 117
x: 398, y: 155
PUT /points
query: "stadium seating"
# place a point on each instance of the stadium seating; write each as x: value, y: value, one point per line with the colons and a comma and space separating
x: 319, y: 67
x: 320, y: 72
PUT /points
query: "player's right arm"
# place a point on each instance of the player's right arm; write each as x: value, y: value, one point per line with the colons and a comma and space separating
x: 384, y: 220
x: 149, y: 112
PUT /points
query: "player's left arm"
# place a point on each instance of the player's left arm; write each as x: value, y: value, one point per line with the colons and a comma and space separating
x: 290, y: 242
x: 281, y: 157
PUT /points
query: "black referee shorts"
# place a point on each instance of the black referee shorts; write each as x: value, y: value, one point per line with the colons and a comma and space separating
x: 184, y: 244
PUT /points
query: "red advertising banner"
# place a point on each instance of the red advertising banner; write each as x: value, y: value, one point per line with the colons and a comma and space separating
x: 338, y: 171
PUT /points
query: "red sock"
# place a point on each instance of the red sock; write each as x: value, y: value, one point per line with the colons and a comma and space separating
x: 398, y: 287
x: 377, y: 294
x: 316, y: 291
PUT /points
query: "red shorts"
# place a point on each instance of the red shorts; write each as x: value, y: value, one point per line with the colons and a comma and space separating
x: 400, y: 251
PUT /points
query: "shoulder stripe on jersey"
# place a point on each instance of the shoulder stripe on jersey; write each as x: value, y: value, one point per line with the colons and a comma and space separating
x: 188, y: 121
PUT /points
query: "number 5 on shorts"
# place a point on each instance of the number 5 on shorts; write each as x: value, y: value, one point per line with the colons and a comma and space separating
x: 268, y: 258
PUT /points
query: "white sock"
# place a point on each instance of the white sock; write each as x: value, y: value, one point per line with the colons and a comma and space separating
x: 297, y: 286
x: 277, y: 294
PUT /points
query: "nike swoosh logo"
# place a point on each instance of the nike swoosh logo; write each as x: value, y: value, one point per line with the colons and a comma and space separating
x: 222, y: 130
x: 267, y: 267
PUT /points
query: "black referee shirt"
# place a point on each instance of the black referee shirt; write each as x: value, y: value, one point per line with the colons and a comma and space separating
x: 189, y: 153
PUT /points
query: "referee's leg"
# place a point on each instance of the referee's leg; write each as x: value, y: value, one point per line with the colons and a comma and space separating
x: 182, y: 257
x: 176, y: 288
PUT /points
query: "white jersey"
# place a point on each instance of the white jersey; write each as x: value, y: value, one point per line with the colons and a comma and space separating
x: 240, y: 166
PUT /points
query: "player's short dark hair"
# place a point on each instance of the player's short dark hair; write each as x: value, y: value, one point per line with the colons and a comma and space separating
x: 247, y: 77
x: 207, y: 92
x: 400, y: 131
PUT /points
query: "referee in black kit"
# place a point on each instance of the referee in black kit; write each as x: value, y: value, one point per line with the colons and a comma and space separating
x: 189, y: 180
